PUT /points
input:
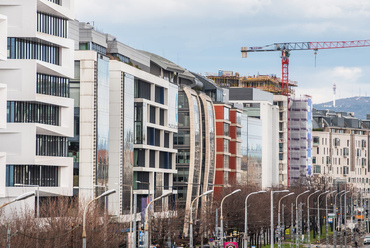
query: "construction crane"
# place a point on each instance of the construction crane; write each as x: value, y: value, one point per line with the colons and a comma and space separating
x: 285, y: 49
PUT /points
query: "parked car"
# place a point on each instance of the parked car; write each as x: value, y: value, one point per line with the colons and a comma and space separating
x: 367, y: 240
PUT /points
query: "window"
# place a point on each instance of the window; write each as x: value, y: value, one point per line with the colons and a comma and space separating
x: 316, y: 140
x: 314, y: 160
x: 183, y: 100
x: 226, y: 113
x: 226, y: 129
x: 142, y: 89
x: 159, y: 94
x: 184, y: 120
x: 139, y: 158
x: 19, y: 48
x: 43, y: 175
x: 138, y: 115
x: 52, y: 85
x: 226, y: 145
x: 121, y: 57
x: 152, y: 114
x: 51, y: 146
x: 32, y: 112
x: 182, y: 138
x: 318, y: 150
x: 317, y: 169
x: 53, y: 25
x: 183, y: 157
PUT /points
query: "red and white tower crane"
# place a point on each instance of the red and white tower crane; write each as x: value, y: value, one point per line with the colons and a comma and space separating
x: 285, y: 49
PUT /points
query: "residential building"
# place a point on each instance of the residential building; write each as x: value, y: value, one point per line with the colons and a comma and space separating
x: 299, y: 139
x: 340, y: 149
x: 39, y: 111
x: 259, y: 105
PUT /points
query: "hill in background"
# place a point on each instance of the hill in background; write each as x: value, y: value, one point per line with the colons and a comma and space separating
x: 360, y: 105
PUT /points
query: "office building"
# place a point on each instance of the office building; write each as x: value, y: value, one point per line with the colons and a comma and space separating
x: 39, y: 111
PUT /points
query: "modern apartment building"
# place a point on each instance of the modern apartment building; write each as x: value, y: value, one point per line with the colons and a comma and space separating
x: 340, y: 149
x: 259, y: 105
x: 39, y: 111
x: 300, y: 128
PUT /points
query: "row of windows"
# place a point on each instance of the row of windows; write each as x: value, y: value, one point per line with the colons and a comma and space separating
x: 121, y: 57
x: 51, y: 146
x: 56, y: 1
x: 46, y: 176
x: 93, y: 46
x: 52, y: 85
x: 52, y: 25
x: 25, y: 49
x: 32, y: 112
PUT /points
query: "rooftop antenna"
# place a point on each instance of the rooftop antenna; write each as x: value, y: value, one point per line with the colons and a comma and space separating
x: 334, y: 93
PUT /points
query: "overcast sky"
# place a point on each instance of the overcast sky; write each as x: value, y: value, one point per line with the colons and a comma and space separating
x: 206, y: 35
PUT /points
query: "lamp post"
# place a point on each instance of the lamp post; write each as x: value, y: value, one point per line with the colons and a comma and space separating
x: 222, y: 217
x: 272, y: 213
x: 335, y: 219
x: 191, y: 215
x: 318, y: 214
x: 341, y: 218
x: 279, y: 228
x: 106, y: 193
x: 308, y: 217
x: 246, y: 217
x: 146, y: 244
x: 297, y: 217
x: 326, y: 218
x: 19, y: 198
x: 37, y: 195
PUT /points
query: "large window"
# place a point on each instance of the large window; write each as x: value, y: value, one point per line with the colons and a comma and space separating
x: 138, y: 115
x: 159, y: 94
x: 52, y: 25
x: 31, y: 112
x: 183, y: 157
x: 183, y: 100
x: 19, y: 48
x: 142, y: 89
x: 181, y: 138
x: 52, y: 85
x: 51, y: 146
x: 42, y: 175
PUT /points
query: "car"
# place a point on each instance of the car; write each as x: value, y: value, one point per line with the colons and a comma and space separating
x: 367, y: 240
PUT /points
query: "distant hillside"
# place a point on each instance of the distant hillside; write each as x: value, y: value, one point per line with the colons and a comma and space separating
x: 359, y: 105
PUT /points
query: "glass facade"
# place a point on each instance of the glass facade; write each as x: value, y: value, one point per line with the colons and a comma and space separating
x: 197, y: 146
x: 121, y: 57
x: 52, y: 85
x: 138, y: 115
x: 128, y: 138
x: 32, y: 112
x: 93, y: 46
x: 53, y: 25
x: 102, y: 105
x: 20, y: 48
x: 47, y: 145
x: 45, y: 176
x: 212, y: 143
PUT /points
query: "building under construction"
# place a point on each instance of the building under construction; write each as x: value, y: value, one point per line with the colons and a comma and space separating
x: 269, y: 83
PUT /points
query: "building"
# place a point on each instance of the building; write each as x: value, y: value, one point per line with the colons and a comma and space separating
x: 340, y: 149
x: 299, y: 139
x: 39, y: 111
x: 259, y: 105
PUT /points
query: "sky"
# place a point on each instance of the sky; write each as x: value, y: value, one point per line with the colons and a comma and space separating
x: 204, y: 36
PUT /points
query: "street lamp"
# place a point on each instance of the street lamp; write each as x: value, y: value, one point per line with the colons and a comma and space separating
x: 106, y: 193
x: 335, y: 218
x: 222, y: 217
x: 279, y: 228
x: 37, y: 195
x: 326, y: 218
x: 246, y: 217
x: 19, y: 198
x: 297, y: 217
x: 272, y: 213
x: 146, y: 218
x: 308, y: 217
x: 318, y: 214
x: 341, y: 218
x: 191, y: 215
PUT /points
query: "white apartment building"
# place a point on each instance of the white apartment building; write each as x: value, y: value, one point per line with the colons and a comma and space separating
x: 39, y: 111
x: 340, y: 150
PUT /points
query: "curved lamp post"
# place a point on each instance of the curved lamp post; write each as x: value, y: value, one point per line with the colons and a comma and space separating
x: 308, y: 217
x: 279, y: 228
x: 246, y: 217
x: 318, y: 214
x: 19, y: 198
x: 296, y: 216
x: 106, y: 193
x: 191, y: 215
x: 326, y: 218
x: 222, y: 217
x: 272, y: 213
x: 146, y: 218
